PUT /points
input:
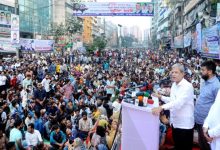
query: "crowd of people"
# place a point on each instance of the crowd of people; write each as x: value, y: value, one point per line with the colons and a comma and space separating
x: 74, y: 102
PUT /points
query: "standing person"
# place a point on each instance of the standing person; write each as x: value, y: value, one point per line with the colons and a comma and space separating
x: 68, y: 89
x: 110, y: 87
x: 211, y: 126
x: 46, y: 84
x: 3, y: 79
x: 27, y: 81
x: 208, y: 93
x: 181, y: 106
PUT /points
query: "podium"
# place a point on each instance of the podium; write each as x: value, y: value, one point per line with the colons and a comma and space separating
x: 140, y: 128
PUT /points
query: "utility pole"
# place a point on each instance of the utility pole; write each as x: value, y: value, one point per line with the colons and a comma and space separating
x: 120, y: 37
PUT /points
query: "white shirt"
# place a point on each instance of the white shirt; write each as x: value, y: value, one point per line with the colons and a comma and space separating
x: 116, y: 106
x: 33, y: 138
x: 181, y: 105
x: 110, y: 90
x: 2, y: 80
x: 46, y: 84
x: 213, y: 123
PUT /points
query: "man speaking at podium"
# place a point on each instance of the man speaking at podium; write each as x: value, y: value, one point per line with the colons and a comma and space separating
x: 181, y: 106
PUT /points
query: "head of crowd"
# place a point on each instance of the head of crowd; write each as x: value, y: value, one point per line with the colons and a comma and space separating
x: 75, y: 100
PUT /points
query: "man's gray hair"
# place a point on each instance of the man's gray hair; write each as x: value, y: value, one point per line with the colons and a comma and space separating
x: 179, y: 66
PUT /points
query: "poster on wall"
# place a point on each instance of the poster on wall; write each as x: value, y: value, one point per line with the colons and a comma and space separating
x: 218, y: 13
x: 187, y: 39
x: 14, y: 22
x: 210, y: 42
x: 113, y: 9
x: 6, y: 46
x: 199, y: 37
x: 15, y: 37
x: 194, y: 41
x: 15, y: 33
x: 178, y: 42
x: 5, y: 18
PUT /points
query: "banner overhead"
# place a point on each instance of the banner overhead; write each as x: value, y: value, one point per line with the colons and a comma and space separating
x: 113, y: 9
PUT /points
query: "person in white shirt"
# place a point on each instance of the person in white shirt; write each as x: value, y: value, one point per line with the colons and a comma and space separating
x: 46, y: 84
x: 3, y: 79
x: 181, y: 106
x: 211, y: 126
x: 32, y: 136
x: 110, y: 87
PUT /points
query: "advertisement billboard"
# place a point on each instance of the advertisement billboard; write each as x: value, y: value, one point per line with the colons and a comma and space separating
x: 44, y: 45
x: 113, y: 9
x: 187, y: 39
x: 15, y: 35
x: 36, y: 45
x: 14, y: 22
x: 218, y: 13
x: 6, y: 46
x: 178, y: 42
x: 5, y: 18
x: 210, y: 42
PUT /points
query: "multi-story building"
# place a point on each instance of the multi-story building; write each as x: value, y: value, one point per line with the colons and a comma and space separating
x: 35, y: 17
x: 154, y: 25
x: 146, y: 38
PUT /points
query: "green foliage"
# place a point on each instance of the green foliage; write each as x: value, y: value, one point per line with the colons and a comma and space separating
x: 71, y: 27
x: 100, y: 42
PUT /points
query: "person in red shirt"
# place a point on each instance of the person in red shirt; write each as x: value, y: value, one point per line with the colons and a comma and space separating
x: 13, y: 81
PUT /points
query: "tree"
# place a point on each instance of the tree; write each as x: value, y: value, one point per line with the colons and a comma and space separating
x: 100, y: 42
x: 68, y: 29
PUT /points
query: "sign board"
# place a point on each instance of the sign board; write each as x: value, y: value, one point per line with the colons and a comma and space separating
x: 218, y: 13
x: 5, y: 18
x: 15, y: 36
x: 210, y: 42
x: 178, y: 42
x: 36, y: 45
x: 6, y: 46
x: 113, y: 9
x: 187, y: 39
